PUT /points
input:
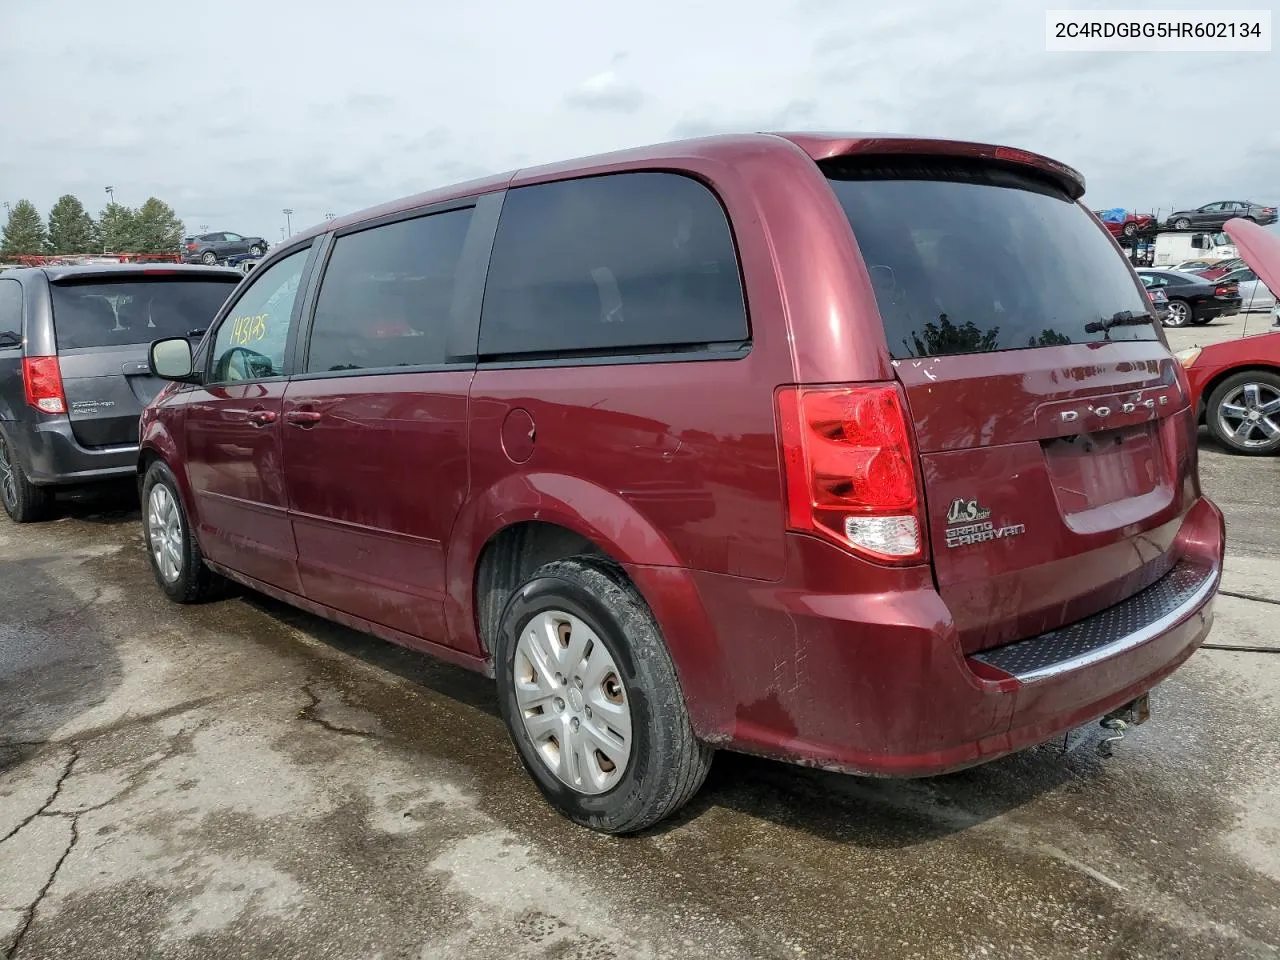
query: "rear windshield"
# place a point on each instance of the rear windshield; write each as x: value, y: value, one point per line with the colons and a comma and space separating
x: 134, y: 311
x: 971, y: 258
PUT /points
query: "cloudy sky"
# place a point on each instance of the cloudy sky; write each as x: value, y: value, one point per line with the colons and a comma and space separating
x: 232, y: 112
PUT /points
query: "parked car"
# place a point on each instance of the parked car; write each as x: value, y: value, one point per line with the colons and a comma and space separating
x: 862, y: 453
x: 1235, y: 385
x: 1194, y: 266
x: 1130, y: 226
x: 1216, y: 214
x: 73, y: 369
x: 1192, y: 300
x: 1254, y: 294
x: 1218, y: 270
x: 209, y: 248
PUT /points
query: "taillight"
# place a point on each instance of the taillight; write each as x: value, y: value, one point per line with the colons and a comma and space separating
x: 850, y: 469
x: 1225, y: 290
x: 191, y: 246
x: 42, y: 382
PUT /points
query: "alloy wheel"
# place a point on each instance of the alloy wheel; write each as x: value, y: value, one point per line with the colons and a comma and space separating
x: 164, y: 529
x: 1250, y: 415
x: 572, y: 702
x: 1179, y: 314
x: 8, y: 481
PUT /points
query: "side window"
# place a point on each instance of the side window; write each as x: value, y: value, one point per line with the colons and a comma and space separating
x: 233, y: 237
x: 250, y: 343
x: 387, y: 296
x: 10, y: 313
x: 617, y: 264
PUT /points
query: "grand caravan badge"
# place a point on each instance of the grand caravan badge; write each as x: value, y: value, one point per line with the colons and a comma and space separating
x: 969, y: 522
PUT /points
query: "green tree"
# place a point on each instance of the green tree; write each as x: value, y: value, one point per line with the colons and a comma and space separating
x: 157, y: 228
x: 24, y: 233
x: 117, y: 229
x: 71, y: 229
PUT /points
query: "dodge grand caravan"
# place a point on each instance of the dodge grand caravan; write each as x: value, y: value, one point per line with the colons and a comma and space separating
x: 861, y: 452
x: 73, y: 368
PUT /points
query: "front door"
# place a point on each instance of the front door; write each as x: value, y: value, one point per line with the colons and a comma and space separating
x: 233, y: 431
x: 375, y: 427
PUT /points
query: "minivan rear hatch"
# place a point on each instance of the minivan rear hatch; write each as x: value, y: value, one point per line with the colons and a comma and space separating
x: 1048, y: 413
x: 104, y: 326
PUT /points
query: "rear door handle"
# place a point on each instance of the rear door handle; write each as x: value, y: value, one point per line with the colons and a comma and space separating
x: 260, y: 417
x: 303, y: 418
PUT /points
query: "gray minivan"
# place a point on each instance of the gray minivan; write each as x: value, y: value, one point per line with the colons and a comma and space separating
x: 73, y: 368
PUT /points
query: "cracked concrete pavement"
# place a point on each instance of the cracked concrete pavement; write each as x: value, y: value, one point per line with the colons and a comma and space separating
x: 243, y: 780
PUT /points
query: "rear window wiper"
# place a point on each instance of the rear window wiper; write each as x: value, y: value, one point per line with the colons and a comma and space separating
x: 1125, y: 318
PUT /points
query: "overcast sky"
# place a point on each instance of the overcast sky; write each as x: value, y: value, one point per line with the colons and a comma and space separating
x: 233, y: 111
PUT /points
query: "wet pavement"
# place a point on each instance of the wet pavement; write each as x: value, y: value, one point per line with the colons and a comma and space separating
x: 243, y: 780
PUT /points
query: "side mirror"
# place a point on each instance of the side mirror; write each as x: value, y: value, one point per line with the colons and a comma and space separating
x: 171, y: 359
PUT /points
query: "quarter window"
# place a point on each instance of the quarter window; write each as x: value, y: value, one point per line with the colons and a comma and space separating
x: 626, y: 263
x: 388, y: 294
x: 251, y: 342
x: 10, y: 313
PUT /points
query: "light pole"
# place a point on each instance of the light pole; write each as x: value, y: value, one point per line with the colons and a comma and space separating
x: 288, y: 221
x: 111, y: 192
x: 204, y: 228
x: 327, y: 216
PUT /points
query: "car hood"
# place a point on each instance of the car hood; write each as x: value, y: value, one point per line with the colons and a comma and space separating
x: 1259, y: 248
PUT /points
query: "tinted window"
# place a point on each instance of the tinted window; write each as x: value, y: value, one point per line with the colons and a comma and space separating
x: 971, y: 258
x: 615, y: 264
x: 10, y: 313
x: 138, y: 310
x: 387, y: 296
x: 251, y: 341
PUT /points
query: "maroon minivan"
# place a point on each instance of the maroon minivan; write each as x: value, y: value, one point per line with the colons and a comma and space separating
x: 861, y: 452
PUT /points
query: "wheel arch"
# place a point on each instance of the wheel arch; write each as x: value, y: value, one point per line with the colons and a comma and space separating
x: 520, y: 523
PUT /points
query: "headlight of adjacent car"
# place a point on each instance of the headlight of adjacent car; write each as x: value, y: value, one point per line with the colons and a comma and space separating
x: 1188, y: 357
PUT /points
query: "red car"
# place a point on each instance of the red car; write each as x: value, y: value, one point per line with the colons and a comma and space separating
x: 860, y: 451
x: 1131, y: 226
x: 1235, y: 385
x: 1220, y: 269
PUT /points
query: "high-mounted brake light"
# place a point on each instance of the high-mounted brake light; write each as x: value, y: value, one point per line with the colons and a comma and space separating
x: 850, y: 469
x: 42, y: 383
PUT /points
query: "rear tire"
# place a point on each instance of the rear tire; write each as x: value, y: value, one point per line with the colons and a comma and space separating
x: 546, y: 690
x: 24, y: 502
x: 1180, y: 314
x: 1182, y: 223
x: 208, y: 258
x: 174, y: 554
x: 1228, y: 410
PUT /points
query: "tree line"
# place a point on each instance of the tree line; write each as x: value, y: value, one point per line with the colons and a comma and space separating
x: 150, y: 228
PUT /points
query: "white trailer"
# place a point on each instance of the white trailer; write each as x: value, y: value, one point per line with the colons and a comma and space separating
x: 1174, y: 247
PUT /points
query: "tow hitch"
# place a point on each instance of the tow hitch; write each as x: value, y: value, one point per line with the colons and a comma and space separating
x: 1132, y: 714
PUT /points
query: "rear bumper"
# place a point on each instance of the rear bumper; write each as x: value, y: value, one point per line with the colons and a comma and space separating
x: 50, y: 454
x: 875, y: 683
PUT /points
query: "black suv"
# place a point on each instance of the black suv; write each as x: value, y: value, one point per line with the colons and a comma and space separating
x: 73, y: 368
x: 209, y: 248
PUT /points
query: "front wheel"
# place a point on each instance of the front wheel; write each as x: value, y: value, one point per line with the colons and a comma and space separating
x: 255, y: 251
x: 1179, y: 315
x: 1130, y: 230
x: 175, y: 555
x: 591, y: 699
x: 1243, y: 412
